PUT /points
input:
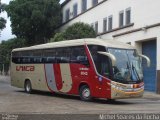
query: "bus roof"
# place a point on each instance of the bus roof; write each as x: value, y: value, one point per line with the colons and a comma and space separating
x: 88, y: 41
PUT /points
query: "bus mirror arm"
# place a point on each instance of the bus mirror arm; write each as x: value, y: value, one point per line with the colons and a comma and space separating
x: 111, y: 56
x: 147, y: 59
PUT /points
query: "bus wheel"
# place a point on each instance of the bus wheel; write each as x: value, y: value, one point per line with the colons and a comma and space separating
x: 85, y: 93
x: 28, y: 87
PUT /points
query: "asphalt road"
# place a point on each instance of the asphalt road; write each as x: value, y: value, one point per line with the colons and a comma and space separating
x: 14, y: 100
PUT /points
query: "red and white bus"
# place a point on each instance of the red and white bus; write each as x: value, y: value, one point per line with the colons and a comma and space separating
x: 90, y: 68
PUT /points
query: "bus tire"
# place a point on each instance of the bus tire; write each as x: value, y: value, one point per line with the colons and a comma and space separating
x: 85, y: 93
x: 28, y: 87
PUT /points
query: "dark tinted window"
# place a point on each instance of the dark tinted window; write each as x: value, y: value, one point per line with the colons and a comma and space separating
x: 121, y: 19
x: 57, y: 55
x: 101, y: 61
x: 63, y: 55
x: 67, y: 14
x: 37, y: 56
x: 104, y: 24
x: 128, y: 16
x: 78, y: 55
x: 94, y: 2
x: 27, y: 57
x: 110, y: 22
x: 49, y: 56
x: 75, y: 10
x: 96, y: 27
x: 84, y: 5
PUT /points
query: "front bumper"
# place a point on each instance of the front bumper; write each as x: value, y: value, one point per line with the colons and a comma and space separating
x: 122, y: 91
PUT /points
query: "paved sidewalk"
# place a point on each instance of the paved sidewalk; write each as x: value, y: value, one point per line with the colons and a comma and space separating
x: 5, y: 78
x: 14, y: 100
x: 151, y: 95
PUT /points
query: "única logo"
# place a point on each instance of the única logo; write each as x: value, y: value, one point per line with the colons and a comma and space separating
x: 25, y: 68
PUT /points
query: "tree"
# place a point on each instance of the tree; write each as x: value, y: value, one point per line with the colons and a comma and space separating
x: 76, y: 31
x: 58, y: 37
x: 79, y: 30
x: 6, y: 48
x: 34, y: 20
x: 2, y: 23
x: 2, y: 20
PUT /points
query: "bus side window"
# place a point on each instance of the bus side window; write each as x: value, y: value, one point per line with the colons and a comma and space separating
x: 19, y: 59
x: 37, y: 56
x: 16, y: 57
x: 63, y: 55
x: 78, y: 55
x: 74, y: 54
x: 37, y: 60
x: 58, y: 59
x: 25, y: 57
x: 101, y: 62
x: 49, y: 56
x: 24, y: 60
x: 51, y: 60
x: 65, y: 59
x: 83, y: 60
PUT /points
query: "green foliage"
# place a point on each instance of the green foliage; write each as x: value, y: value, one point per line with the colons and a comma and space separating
x: 78, y: 30
x: 2, y: 20
x: 34, y: 20
x: 6, y: 48
x: 2, y: 7
x: 2, y: 23
x: 58, y: 37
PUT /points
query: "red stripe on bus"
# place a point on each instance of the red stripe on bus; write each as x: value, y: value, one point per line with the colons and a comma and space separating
x: 58, y: 77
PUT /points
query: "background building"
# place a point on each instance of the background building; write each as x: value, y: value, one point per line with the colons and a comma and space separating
x: 136, y: 22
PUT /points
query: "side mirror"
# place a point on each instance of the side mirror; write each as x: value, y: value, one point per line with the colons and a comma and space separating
x: 111, y: 56
x: 147, y: 59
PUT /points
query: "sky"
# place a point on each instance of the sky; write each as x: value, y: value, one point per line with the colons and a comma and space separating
x: 7, y: 33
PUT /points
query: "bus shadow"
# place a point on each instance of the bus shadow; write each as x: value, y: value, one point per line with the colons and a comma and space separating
x: 63, y: 96
x: 49, y: 94
x: 112, y: 102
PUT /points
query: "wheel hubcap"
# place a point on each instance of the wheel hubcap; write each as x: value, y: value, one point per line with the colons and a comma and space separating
x: 86, y: 93
x: 28, y: 88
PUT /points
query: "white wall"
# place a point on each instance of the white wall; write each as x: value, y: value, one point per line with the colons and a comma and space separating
x: 143, y: 13
x: 70, y: 6
x: 158, y: 52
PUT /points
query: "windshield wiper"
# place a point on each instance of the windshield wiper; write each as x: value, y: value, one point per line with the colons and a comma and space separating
x: 129, y: 73
x: 135, y: 71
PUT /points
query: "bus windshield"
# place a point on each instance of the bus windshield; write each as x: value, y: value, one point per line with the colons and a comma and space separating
x: 128, y: 66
